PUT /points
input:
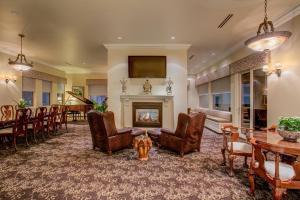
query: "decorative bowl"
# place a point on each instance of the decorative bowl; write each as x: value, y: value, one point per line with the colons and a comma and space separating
x: 290, y: 136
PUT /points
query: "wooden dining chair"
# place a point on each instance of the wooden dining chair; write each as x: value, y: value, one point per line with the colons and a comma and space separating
x: 37, y: 123
x: 234, y: 146
x: 50, y: 124
x: 7, y: 112
x: 62, y: 118
x: 19, y: 128
x: 281, y: 176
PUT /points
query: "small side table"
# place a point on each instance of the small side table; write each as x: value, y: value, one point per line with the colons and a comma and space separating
x: 143, y: 145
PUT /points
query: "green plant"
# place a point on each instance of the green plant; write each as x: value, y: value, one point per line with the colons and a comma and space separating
x: 101, y: 107
x: 290, y: 123
x: 22, y: 103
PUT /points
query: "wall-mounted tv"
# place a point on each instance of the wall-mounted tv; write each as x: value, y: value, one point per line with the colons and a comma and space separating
x: 147, y: 66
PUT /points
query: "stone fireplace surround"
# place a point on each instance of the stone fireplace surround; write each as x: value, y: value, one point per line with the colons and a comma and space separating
x: 167, y: 108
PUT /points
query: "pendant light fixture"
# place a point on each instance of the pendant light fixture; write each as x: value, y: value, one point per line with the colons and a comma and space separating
x: 20, y: 63
x: 269, y: 39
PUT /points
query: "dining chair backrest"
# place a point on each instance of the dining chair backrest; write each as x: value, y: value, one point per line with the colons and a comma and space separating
x: 40, y: 114
x: 21, y: 120
x: 7, y: 112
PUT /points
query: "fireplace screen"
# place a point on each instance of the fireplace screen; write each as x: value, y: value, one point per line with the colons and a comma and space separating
x: 147, y: 114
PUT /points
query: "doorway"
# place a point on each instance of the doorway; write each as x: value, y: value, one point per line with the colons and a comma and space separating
x: 253, y: 99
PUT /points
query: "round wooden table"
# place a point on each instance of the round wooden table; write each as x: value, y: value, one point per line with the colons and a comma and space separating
x: 143, y: 145
x: 274, y: 142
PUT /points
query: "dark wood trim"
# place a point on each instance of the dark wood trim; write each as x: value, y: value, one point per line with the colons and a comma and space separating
x: 146, y: 105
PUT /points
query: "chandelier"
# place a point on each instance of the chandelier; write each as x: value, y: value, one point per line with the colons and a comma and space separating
x: 20, y: 63
x: 269, y: 39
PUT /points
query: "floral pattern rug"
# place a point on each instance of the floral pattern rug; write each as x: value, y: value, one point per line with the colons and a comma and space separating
x: 66, y: 167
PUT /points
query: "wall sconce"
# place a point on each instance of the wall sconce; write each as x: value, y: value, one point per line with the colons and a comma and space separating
x: 8, y: 78
x: 269, y: 68
x: 276, y: 69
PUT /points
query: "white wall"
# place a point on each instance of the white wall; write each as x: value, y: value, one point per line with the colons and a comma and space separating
x: 9, y: 92
x: 118, y: 69
x: 284, y: 91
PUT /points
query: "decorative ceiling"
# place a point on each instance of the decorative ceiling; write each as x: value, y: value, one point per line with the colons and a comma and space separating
x: 69, y: 34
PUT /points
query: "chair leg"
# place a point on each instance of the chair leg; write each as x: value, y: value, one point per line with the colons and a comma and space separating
x: 181, y: 154
x: 252, y: 183
x: 277, y: 193
x: 26, y: 140
x: 245, y: 162
x: 231, y: 158
x: 66, y: 127
x: 224, y: 157
x: 15, y: 142
x: 109, y: 153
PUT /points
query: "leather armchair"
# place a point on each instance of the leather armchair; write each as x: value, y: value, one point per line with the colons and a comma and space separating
x: 187, y: 136
x: 105, y: 135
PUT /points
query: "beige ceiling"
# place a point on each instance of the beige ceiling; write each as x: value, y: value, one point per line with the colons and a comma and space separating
x: 69, y: 34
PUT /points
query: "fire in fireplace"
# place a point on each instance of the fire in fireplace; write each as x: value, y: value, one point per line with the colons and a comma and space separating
x: 147, y: 114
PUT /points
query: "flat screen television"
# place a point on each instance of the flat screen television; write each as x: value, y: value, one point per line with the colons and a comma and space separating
x: 147, y: 66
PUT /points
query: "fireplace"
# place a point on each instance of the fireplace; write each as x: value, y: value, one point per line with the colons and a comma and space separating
x: 147, y: 114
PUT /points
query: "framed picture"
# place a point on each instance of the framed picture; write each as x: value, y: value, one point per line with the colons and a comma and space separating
x: 78, y: 90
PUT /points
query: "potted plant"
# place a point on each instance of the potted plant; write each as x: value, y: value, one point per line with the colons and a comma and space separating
x: 101, y: 107
x: 289, y: 128
x: 22, y: 103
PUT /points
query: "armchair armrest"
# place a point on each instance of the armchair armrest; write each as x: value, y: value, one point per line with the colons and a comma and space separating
x: 124, y: 130
x: 167, y: 131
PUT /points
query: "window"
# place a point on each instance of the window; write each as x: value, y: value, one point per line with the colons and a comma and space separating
x: 28, y: 97
x: 60, y: 93
x: 98, y: 99
x: 221, y: 94
x: 221, y: 101
x: 46, y: 98
x: 60, y: 98
x: 28, y: 87
x: 46, y: 93
x: 203, y: 95
x: 97, y: 90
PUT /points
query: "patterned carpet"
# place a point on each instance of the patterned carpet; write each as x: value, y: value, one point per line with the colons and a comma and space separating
x: 66, y: 167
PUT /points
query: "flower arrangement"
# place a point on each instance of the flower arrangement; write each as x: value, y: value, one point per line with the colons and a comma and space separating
x: 289, y: 128
x: 101, y: 107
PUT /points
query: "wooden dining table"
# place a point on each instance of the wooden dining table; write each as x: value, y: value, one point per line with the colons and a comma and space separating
x: 274, y: 142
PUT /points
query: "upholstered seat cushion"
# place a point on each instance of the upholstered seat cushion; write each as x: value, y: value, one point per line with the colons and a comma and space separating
x: 286, y: 171
x: 240, y: 147
x: 6, y: 131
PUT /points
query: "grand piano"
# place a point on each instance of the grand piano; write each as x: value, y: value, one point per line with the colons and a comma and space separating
x: 77, y: 109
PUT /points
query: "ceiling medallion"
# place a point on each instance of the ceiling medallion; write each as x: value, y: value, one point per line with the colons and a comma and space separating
x: 20, y: 63
x: 269, y: 39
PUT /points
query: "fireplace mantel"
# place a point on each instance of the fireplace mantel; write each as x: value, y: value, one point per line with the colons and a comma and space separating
x: 167, y: 108
x: 164, y: 98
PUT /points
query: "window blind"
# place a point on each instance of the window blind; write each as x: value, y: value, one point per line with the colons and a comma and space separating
x: 221, y: 85
x: 46, y: 86
x: 28, y: 84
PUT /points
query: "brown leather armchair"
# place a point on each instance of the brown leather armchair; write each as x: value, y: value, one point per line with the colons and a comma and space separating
x: 187, y: 136
x: 105, y: 135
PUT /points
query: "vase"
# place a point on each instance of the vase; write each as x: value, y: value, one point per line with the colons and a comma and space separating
x: 290, y: 136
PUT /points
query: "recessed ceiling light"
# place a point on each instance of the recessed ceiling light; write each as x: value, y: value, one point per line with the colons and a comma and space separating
x: 203, y: 61
x: 120, y: 38
x: 213, y: 54
x: 173, y: 38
